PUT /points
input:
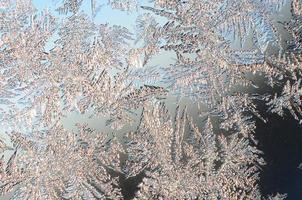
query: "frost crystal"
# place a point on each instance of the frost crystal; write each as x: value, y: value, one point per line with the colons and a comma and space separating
x: 56, y: 63
x: 59, y: 164
x: 182, y: 162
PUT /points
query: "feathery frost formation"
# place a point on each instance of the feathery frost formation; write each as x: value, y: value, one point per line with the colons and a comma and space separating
x: 182, y: 162
x: 53, y: 64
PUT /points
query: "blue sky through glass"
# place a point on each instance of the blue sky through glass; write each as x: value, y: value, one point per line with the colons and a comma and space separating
x: 105, y: 15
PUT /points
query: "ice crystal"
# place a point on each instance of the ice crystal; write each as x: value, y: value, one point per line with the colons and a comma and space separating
x: 289, y: 99
x: 53, y: 64
x: 203, y: 34
x: 182, y: 162
x: 73, y: 6
x: 59, y: 164
x: 87, y: 67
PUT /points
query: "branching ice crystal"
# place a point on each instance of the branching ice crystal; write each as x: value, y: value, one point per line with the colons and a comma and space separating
x: 53, y: 65
x: 182, y: 162
x: 59, y: 164
x: 87, y: 67
x: 73, y: 6
x: 199, y: 32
